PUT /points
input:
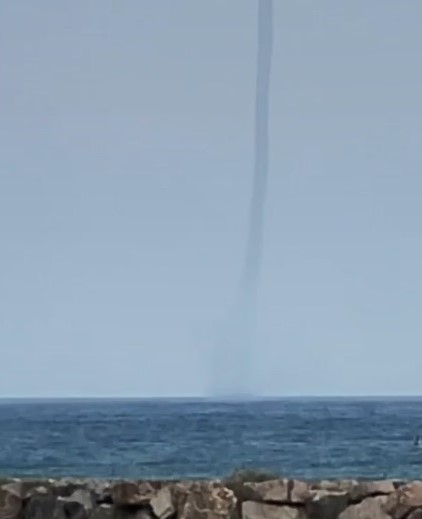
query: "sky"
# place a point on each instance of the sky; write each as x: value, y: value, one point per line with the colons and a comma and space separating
x: 126, y: 163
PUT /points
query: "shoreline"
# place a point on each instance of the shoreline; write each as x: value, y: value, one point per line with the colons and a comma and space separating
x: 234, y: 497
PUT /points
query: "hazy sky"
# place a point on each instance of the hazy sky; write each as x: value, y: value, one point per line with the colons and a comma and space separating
x: 126, y: 132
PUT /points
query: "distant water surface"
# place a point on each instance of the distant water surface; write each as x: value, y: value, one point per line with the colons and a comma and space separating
x: 166, y: 438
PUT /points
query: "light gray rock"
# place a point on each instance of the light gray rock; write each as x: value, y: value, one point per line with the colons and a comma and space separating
x: 162, y: 503
x: 84, y: 497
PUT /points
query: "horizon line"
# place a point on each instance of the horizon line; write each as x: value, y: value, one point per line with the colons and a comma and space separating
x: 222, y: 398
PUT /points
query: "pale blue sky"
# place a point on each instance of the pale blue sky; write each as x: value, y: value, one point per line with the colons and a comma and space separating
x: 125, y: 173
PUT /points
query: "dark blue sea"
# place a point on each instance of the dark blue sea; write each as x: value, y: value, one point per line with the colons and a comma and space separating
x: 175, y: 438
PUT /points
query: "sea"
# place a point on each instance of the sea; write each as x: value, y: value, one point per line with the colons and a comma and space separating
x: 159, y: 438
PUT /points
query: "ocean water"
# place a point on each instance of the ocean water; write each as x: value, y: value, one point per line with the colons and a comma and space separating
x: 172, y: 439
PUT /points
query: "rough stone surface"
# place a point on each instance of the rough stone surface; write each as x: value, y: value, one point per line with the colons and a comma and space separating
x: 280, y: 491
x: 325, y: 504
x: 338, y: 485
x: 129, y: 493
x: 44, y: 506
x: 357, y: 490
x: 10, y: 500
x: 103, y: 511
x: 208, y: 500
x: 83, y: 497
x: 360, y: 491
x: 140, y: 514
x: 253, y: 510
x: 404, y: 500
x: 162, y: 503
x: 274, y: 499
x: 369, y: 508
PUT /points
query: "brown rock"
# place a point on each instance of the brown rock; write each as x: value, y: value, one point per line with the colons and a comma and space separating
x: 326, y: 504
x: 369, y: 508
x: 162, y: 503
x: 280, y: 491
x: 208, y: 500
x: 404, y: 500
x: 363, y: 490
x: 10, y: 500
x: 253, y: 510
x: 129, y: 493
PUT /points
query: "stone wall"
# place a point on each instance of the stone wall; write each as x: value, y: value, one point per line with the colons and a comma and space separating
x: 230, y: 499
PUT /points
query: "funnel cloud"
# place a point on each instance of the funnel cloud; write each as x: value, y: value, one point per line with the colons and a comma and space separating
x: 234, y: 372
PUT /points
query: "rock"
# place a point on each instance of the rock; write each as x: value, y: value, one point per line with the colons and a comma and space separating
x: 103, y: 511
x: 35, y: 490
x: 43, y: 506
x: 72, y: 509
x: 132, y: 513
x: 357, y: 490
x: 253, y: 510
x: 128, y: 493
x: 369, y: 508
x: 325, y: 504
x: 143, y: 514
x: 180, y: 492
x: 162, y: 504
x: 53, y: 507
x: 30, y: 487
x: 6, y: 481
x: 280, y: 491
x: 82, y: 497
x: 340, y: 485
x: 336, y: 485
x: 208, y: 500
x: 416, y: 514
x: 65, y: 487
x: 101, y: 490
x: 404, y: 500
x: 363, y: 490
x: 10, y: 500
